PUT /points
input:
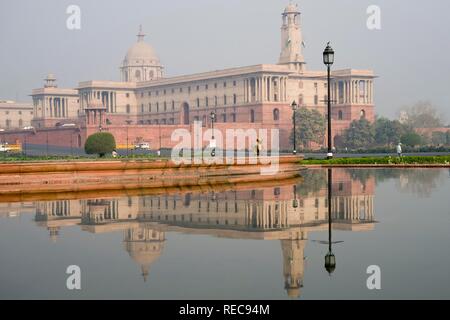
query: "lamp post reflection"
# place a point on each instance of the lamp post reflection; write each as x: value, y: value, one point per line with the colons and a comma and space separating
x: 330, y: 259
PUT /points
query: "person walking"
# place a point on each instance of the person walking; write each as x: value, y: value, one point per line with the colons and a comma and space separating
x: 258, y: 147
x: 399, y: 149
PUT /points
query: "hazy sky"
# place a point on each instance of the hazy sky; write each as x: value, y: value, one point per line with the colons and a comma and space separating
x: 410, y: 54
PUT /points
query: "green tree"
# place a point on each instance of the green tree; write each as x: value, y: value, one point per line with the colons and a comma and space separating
x: 411, y: 139
x: 388, y: 132
x: 310, y: 127
x: 360, y: 134
x: 100, y: 143
x: 438, y: 138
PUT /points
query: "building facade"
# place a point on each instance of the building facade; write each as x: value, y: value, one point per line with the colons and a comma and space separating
x: 145, y: 101
x: 15, y: 115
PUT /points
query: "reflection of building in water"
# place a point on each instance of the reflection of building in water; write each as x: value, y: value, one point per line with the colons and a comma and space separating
x: 144, y: 245
x: 285, y: 212
x: 15, y: 209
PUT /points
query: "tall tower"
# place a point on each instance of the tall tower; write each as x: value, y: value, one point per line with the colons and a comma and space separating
x: 291, y: 38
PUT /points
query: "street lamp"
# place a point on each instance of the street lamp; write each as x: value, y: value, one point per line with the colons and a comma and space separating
x: 328, y: 60
x: 213, y: 142
x: 294, y: 109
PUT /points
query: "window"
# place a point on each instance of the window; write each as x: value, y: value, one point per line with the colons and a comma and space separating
x: 173, y: 90
x: 198, y: 102
x: 189, y: 89
x: 252, y: 115
x: 362, y: 114
x: 142, y: 108
x: 128, y: 108
x: 157, y: 92
x: 224, y: 118
x: 325, y: 99
x: 20, y: 123
x: 181, y: 89
x: 233, y: 117
x: 198, y: 88
x: 224, y: 84
x: 300, y: 100
x: 234, y: 83
x: 165, y: 106
x: 164, y: 91
x: 142, y: 94
x: 215, y: 100
x: 316, y: 99
x: 173, y: 105
x: 206, y: 101
x: 224, y: 99
x: 340, y: 115
x: 234, y: 98
x: 138, y: 75
x: 276, y: 191
x: 206, y: 87
x: 215, y: 85
x: 127, y: 95
x: 276, y: 114
x: 149, y: 93
x: 157, y: 107
x: 149, y: 107
x: 151, y: 74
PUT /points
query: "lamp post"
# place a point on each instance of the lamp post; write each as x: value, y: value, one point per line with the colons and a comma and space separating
x: 294, y: 110
x: 213, y: 142
x: 328, y: 60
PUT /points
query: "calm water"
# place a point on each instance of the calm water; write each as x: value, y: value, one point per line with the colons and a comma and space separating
x: 250, y: 242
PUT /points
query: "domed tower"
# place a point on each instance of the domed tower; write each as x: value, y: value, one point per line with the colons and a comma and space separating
x: 144, y: 246
x: 291, y: 38
x: 141, y: 62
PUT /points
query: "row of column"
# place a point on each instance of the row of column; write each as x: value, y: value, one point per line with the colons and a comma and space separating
x: 353, y: 207
x: 265, y: 88
x: 108, y: 99
x: 352, y: 91
x: 55, y: 107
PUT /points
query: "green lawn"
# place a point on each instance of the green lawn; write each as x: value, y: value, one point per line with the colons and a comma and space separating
x: 382, y: 160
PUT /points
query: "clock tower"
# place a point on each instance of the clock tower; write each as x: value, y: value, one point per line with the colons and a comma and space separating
x: 291, y: 39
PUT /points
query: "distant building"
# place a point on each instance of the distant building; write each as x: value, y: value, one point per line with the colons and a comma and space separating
x: 250, y: 97
x: 15, y: 115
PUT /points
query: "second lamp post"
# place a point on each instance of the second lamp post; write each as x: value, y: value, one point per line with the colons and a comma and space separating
x: 328, y: 60
x: 294, y: 109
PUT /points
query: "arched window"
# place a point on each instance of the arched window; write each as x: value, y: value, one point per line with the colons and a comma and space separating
x: 252, y: 115
x: 340, y: 115
x: 276, y: 114
x: 362, y: 114
x: 138, y: 75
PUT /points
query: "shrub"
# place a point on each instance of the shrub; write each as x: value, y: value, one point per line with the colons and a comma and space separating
x: 100, y: 143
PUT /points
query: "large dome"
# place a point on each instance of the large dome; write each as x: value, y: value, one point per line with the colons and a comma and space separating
x: 141, y: 62
x: 141, y: 53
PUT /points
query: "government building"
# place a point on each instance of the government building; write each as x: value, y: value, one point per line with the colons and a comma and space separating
x: 147, y: 105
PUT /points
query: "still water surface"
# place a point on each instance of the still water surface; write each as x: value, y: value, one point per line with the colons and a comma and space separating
x: 248, y: 242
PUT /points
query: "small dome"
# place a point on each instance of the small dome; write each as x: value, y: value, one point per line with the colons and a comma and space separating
x: 291, y: 8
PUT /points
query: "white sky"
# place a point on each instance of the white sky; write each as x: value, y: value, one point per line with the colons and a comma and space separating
x: 409, y: 53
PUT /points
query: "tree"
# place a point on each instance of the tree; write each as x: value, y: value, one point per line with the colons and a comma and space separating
x: 411, y: 139
x: 360, y: 134
x: 438, y: 138
x: 100, y: 143
x: 421, y: 115
x: 310, y: 126
x: 388, y: 132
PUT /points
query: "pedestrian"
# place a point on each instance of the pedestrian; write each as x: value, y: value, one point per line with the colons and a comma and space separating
x: 399, y: 149
x: 114, y: 153
x: 258, y: 147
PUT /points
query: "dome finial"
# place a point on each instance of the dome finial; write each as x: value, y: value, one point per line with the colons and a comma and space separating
x: 140, y: 35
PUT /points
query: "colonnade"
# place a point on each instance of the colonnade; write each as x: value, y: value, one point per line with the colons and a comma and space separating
x: 352, y: 91
x: 108, y: 99
x: 265, y: 89
x: 53, y: 107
